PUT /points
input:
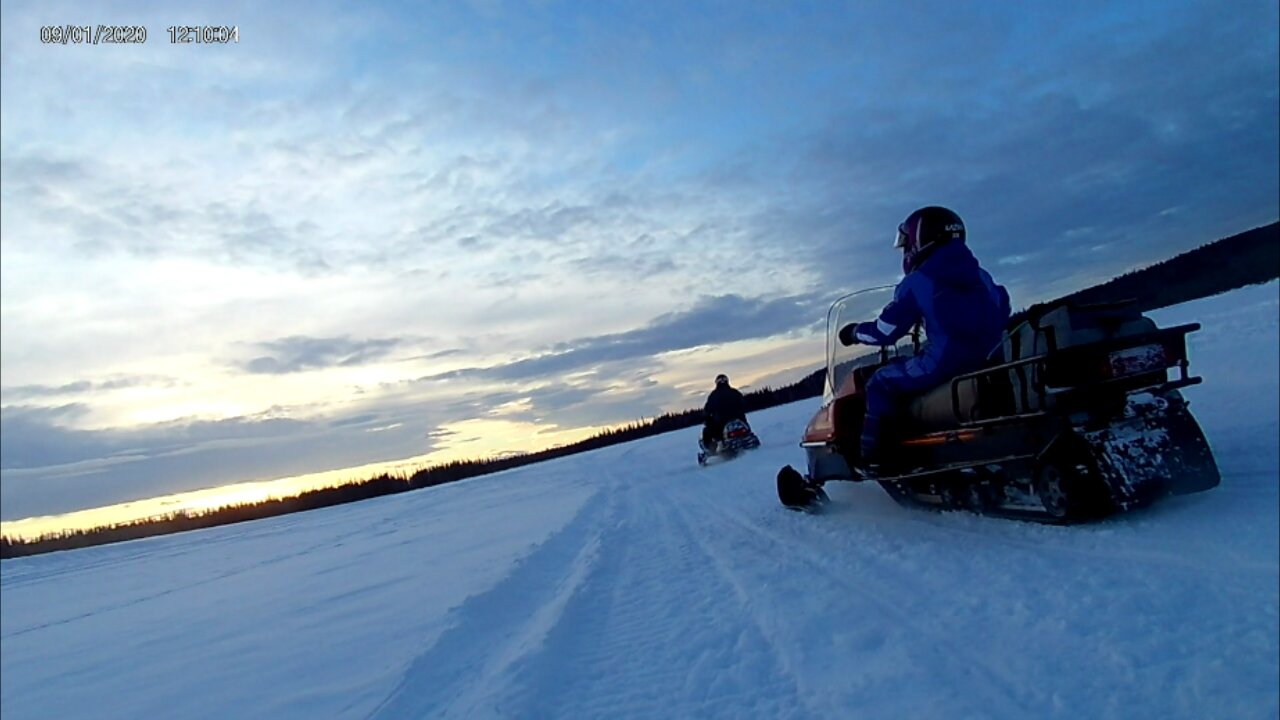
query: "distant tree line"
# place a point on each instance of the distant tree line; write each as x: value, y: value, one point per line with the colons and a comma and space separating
x: 384, y: 484
x: 1248, y: 258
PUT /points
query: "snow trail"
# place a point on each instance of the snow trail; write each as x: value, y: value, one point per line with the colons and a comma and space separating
x: 486, y: 637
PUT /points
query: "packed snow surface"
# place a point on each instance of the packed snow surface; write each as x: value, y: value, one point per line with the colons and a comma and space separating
x: 631, y: 583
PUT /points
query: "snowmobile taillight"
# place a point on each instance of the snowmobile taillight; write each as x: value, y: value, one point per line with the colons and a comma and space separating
x: 1135, y: 361
x: 1143, y: 363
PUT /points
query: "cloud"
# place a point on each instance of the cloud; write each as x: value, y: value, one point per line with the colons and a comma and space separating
x: 84, y: 387
x: 618, y: 392
x: 37, y: 437
x: 34, y: 437
x: 298, y: 353
x: 36, y: 176
x: 646, y: 266
x: 357, y: 420
x: 711, y: 321
x: 102, y: 206
x: 50, y: 468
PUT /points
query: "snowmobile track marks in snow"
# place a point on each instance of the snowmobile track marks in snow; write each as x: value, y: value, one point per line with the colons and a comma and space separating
x: 456, y: 676
x: 1001, y: 691
x: 651, y: 565
x: 769, y: 625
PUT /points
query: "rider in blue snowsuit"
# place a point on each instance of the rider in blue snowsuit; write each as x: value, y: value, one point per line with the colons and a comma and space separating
x: 963, y: 310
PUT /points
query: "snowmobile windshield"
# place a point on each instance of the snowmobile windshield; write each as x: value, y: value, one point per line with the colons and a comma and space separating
x: 855, y: 307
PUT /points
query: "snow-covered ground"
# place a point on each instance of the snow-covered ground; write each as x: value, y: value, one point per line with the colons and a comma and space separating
x: 630, y: 583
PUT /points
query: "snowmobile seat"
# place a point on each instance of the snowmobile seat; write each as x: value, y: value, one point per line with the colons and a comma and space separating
x: 934, y: 410
x: 983, y: 396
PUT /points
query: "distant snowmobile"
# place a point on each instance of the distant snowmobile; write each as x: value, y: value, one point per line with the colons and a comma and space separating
x: 737, y: 437
x: 1075, y: 418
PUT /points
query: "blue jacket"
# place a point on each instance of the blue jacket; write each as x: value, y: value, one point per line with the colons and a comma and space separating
x: 963, y: 309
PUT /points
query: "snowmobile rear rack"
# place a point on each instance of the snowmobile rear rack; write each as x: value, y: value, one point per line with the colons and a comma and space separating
x: 1049, y: 367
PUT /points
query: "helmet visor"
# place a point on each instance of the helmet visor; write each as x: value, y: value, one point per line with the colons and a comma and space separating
x: 900, y: 241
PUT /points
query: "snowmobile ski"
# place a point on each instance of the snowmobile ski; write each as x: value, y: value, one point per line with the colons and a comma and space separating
x: 797, y: 493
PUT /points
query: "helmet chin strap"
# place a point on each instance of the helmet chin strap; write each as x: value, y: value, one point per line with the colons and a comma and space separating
x: 911, y: 262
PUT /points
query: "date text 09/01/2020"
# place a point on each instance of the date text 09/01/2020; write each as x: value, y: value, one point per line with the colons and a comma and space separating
x: 108, y: 34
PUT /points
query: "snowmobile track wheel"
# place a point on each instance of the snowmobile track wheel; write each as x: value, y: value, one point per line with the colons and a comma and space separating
x: 1051, y: 488
x: 1068, y: 489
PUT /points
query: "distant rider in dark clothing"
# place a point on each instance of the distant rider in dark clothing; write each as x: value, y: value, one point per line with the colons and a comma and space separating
x: 963, y: 310
x: 724, y: 403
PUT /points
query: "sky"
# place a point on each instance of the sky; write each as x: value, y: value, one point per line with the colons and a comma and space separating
x: 628, y: 582
x: 408, y: 233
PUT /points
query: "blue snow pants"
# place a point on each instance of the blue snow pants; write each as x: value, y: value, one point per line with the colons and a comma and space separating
x: 886, y: 391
